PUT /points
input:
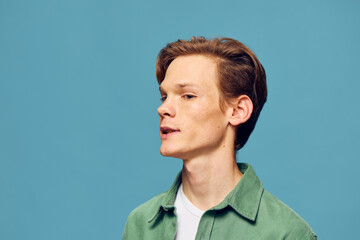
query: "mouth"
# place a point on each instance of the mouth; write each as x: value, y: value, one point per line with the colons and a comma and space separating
x: 167, y: 131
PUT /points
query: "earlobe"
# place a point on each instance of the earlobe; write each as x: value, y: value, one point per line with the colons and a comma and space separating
x: 242, y: 110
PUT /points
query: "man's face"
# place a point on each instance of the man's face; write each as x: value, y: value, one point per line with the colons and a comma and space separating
x: 191, y: 121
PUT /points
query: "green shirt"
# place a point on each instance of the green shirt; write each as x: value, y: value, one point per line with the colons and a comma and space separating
x: 247, y: 212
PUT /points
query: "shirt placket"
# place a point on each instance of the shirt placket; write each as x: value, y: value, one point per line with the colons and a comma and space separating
x: 171, y: 224
x: 206, y: 225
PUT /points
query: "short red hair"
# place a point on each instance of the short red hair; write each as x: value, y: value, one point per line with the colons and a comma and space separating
x: 240, y: 73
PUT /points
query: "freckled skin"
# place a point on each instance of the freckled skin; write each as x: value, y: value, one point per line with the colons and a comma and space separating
x: 202, y: 124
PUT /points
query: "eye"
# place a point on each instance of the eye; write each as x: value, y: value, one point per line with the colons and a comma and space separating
x: 163, y: 98
x: 188, y: 96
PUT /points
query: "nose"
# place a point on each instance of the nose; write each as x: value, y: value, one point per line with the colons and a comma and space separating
x: 166, y: 109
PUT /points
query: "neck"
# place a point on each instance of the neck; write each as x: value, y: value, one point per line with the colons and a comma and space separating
x: 207, y: 180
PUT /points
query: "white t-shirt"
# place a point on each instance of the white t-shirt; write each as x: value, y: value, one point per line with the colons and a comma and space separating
x: 188, y: 217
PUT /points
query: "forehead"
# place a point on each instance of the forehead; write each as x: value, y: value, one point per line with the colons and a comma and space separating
x: 194, y: 70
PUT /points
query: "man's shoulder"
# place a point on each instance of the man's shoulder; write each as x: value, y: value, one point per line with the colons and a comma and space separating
x: 277, y: 214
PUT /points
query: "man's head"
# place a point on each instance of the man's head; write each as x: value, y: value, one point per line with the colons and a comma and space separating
x: 238, y: 71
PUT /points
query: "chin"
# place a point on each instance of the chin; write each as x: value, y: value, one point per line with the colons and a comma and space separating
x: 168, y: 152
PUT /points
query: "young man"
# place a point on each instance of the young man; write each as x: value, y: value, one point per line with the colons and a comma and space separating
x: 212, y: 92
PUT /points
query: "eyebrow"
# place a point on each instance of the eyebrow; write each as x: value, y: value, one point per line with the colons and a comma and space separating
x: 182, y: 85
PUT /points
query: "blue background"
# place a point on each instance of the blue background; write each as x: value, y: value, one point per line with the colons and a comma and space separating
x: 79, y: 144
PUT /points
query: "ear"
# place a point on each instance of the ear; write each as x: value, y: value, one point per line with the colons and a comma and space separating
x: 241, y: 111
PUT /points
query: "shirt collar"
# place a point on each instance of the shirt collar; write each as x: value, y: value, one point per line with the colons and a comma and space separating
x: 244, y: 198
x: 167, y: 204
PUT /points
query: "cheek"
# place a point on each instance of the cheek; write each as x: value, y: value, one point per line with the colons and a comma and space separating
x: 209, y: 120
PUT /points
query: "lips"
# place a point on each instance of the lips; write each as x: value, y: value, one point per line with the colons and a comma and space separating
x: 167, y: 131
